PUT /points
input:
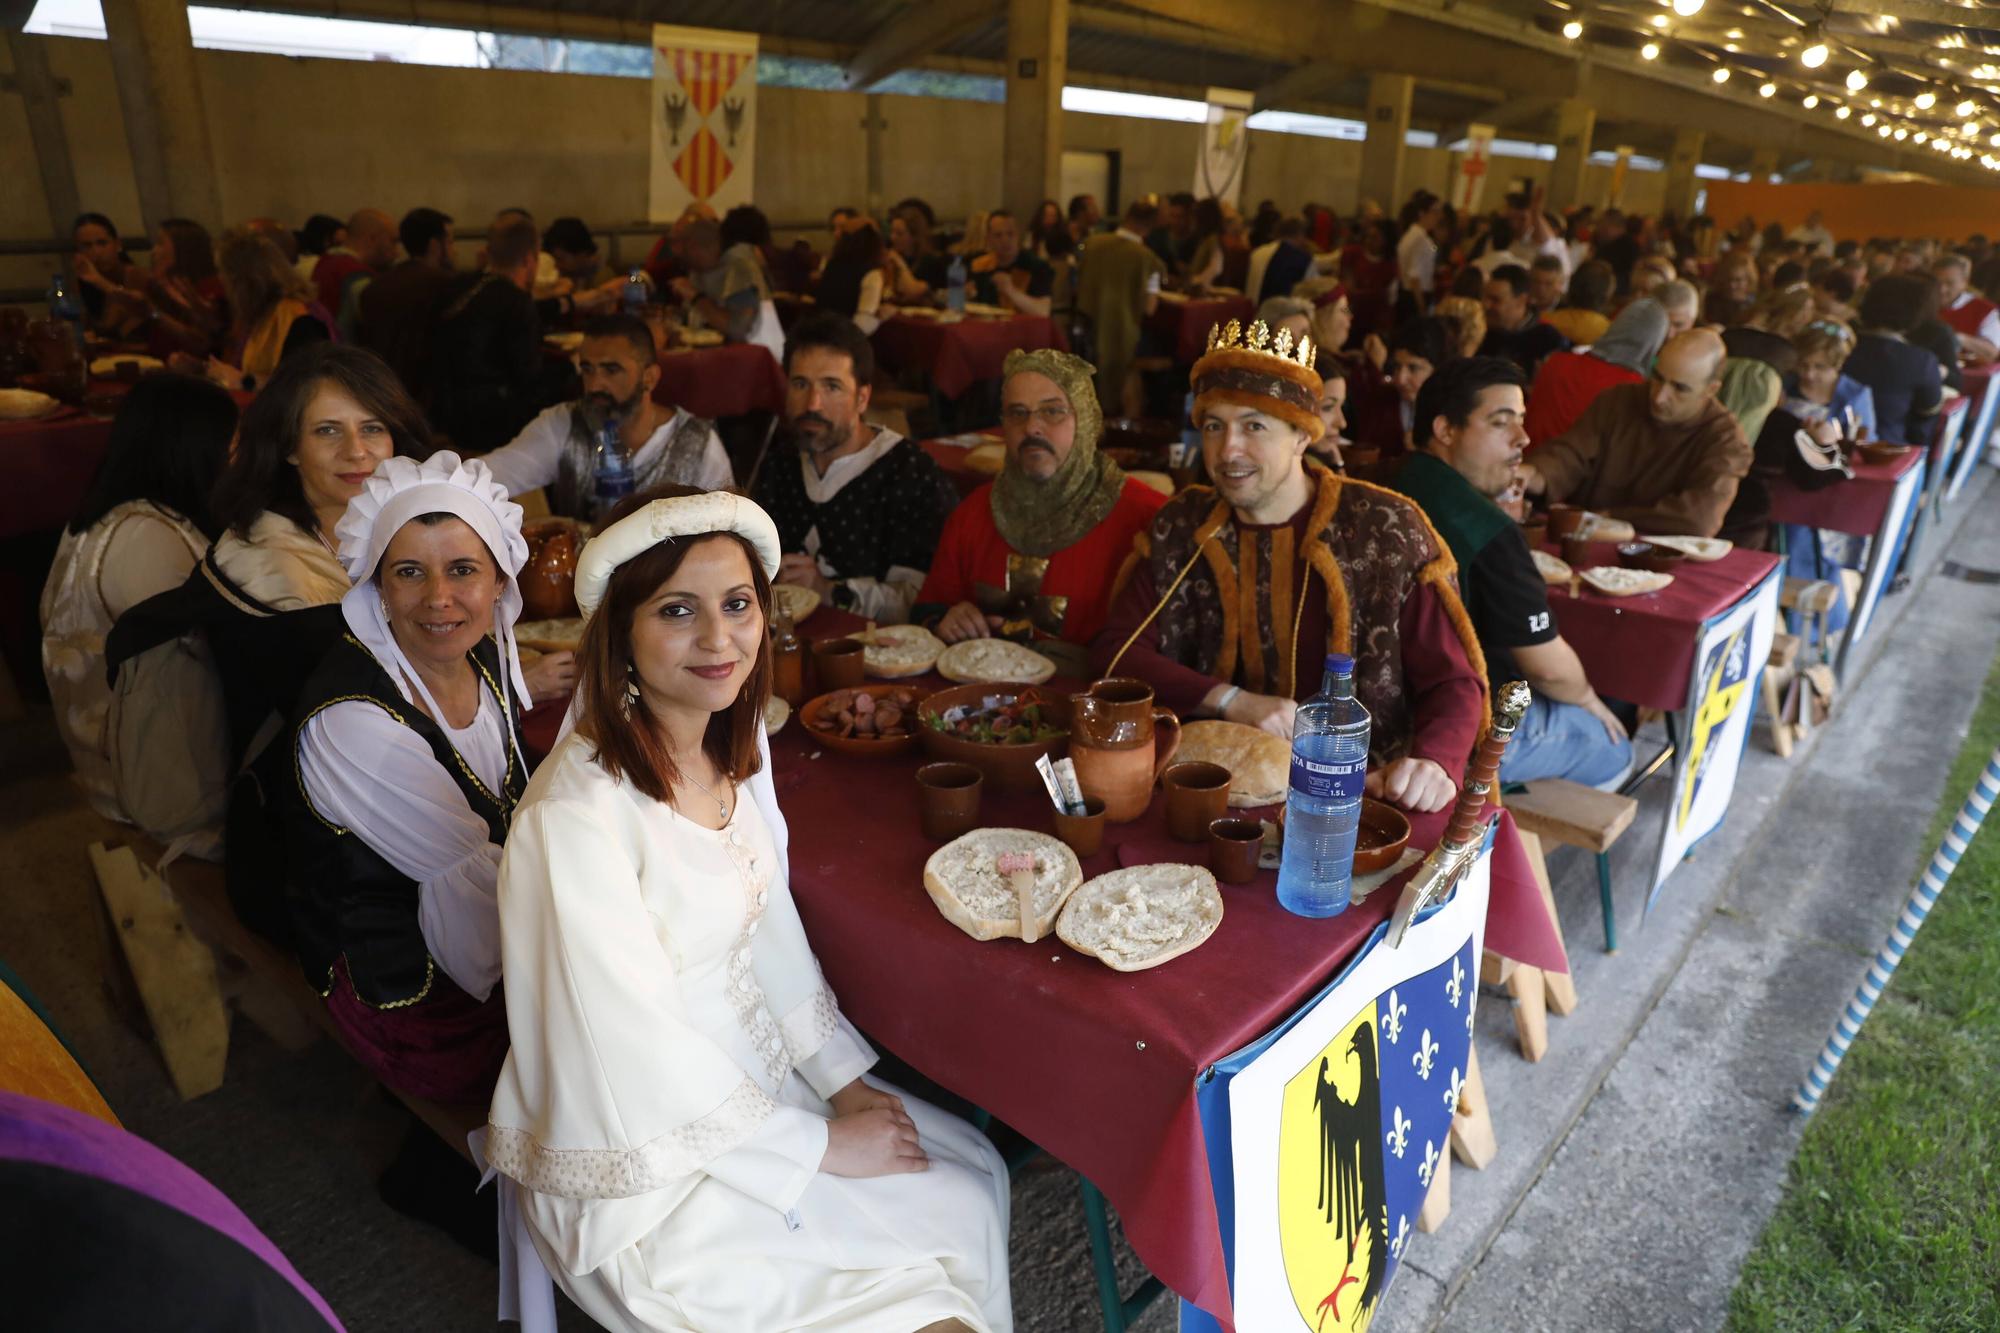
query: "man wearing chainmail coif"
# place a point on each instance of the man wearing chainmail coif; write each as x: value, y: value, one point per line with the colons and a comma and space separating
x: 1031, y: 555
x: 558, y: 449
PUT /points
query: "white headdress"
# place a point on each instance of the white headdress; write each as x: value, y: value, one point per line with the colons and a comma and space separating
x: 403, y: 489
x: 663, y: 520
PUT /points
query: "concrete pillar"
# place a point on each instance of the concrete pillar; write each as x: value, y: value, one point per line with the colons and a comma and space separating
x: 166, y: 124
x: 1576, y: 120
x: 1681, y: 180
x: 1388, y: 129
x: 872, y: 127
x: 1037, y: 67
x: 1764, y: 163
x: 40, y: 100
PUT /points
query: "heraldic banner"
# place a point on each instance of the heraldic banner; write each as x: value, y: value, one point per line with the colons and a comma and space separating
x: 1469, y: 184
x: 704, y: 119
x: 1722, y: 699
x: 1225, y: 145
x: 1324, y: 1135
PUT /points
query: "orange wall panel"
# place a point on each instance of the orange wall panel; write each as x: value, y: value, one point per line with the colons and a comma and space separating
x: 1858, y: 212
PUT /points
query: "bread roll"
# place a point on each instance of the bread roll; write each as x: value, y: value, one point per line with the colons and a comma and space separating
x: 963, y: 878
x: 1259, y: 764
x: 1142, y: 916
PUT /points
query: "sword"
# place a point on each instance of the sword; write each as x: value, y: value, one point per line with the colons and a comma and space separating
x: 1435, y: 878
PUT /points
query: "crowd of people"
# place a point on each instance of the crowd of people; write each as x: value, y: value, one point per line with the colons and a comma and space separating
x: 281, y: 629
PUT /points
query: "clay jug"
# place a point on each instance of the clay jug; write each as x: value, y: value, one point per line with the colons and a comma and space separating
x: 548, y: 580
x: 1115, y: 745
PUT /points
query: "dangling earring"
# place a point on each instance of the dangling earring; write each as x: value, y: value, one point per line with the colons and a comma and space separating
x: 631, y: 689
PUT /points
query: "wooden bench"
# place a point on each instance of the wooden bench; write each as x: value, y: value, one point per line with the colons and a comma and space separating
x: 1578, y: 816
x: 161, y: 925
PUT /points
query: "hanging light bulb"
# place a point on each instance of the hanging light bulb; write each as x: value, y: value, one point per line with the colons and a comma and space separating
x: 1901, y: 134
x: 1812, y: 100
x: 1687, y: 9
x: 1882, y: 130
x: 1970, y: 127
x: 1768, y: 90
x: 1967, y: 107
x: 1572, y: 30
x: 1659, y: 20
x: 1920, y: 136
x: 1926, y: 100
x: 1721, y: 74
x: 1813, y: 54
x: 1856, y: 80
x: 1650, y: 51
x: 1868, y: 119
x: 1843, y: 112
x: 1994, y: 141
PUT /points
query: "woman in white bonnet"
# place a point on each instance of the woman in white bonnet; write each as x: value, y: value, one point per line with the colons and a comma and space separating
x: 684, y: 1105
x: 408, y: 769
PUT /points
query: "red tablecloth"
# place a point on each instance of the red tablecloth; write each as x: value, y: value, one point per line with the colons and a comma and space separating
x: 1855, y: 506
x: 957, y: 356
x: 45, y: 468
x: 1096, y: 1066
x: 1641, y: 649
x: 1183, y: 325
x: 724, y: 381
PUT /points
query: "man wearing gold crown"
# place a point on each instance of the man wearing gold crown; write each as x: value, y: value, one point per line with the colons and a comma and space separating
x: 1234, y: 595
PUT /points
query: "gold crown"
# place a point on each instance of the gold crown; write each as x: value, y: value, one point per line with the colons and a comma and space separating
x: 1233, y: 337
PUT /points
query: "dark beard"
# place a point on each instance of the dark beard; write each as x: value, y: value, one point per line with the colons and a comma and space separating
x: 827, y: 441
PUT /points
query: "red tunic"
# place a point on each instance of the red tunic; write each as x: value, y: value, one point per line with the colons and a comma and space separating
x: 1567, y: 383
x: 1447, y: 696
x: 971, y: 552
x: 1966, y: 319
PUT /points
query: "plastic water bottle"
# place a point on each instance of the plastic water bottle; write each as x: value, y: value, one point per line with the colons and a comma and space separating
x: 954, y: 285
x: 66, y: 307
x: 635, y: 293
x: 612, y: 479
x: 1323, y: 809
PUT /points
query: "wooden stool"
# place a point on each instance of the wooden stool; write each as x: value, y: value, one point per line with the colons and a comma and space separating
x: 1778, y: 673
x: 1578, y: 816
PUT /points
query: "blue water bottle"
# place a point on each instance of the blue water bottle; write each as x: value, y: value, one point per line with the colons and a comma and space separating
x: 1323, y: 808
x: 635, y: 293
x: 612, y: 479
x: 954, y: 285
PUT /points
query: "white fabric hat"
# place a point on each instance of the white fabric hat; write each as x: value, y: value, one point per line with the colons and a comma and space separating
x: 403, y: 489
x: 663, y: 520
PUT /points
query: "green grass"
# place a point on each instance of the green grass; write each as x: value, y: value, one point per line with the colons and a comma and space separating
x: 1891, y: 1218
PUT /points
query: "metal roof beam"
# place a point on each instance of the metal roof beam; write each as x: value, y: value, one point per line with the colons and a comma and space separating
x: 916, y: 32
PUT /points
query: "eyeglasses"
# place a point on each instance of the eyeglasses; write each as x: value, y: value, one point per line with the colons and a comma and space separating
x: 1050, y: 415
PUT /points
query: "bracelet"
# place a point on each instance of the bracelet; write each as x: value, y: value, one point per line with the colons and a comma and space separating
x: 1228, y: 698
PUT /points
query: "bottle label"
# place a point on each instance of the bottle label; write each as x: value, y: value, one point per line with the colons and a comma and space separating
x: 1328, y: 782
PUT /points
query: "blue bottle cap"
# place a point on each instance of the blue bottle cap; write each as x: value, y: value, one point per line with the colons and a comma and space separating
x: 1340, y: 664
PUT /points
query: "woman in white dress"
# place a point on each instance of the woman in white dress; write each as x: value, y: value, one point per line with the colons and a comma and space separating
x: 684, y: 1104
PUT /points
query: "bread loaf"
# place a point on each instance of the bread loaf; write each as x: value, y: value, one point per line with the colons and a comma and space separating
x: 963, y: 878
x: 1259, y: 763
x: 1142, y: 916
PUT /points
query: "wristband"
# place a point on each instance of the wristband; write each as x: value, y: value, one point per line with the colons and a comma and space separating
x: 1228, y: 698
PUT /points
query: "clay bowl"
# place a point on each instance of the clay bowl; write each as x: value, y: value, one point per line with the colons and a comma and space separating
x: 909, y: 697
x: 1881, y: 451
x: 1008, y: 766
x: 1385, y: 832
x: 1645, y: 555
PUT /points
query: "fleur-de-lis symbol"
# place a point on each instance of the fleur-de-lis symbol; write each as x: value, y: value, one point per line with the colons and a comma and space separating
x: 1399, y: 1137
x: 1425, y: 1053
x: 1392, y: 1019
x: 676, y: 110
x: 1429, y: 1164
x: 1454, y: 990
x: 1457, y: 1088
x: 1402, y: 1234
x: 1468, y: 1020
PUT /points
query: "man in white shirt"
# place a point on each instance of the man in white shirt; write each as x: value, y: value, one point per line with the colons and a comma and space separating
x: 1813, y: 232
x: 1528, y: 235
x: 858, y: 508
x: 620, y: 370
x: 1416, y: 252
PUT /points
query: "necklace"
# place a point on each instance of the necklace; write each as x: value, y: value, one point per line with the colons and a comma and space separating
x: 721, y: 806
